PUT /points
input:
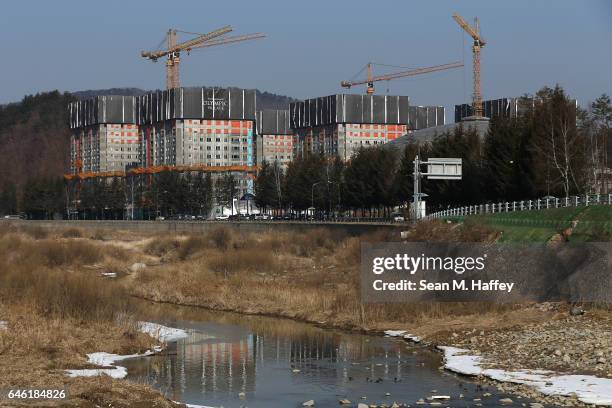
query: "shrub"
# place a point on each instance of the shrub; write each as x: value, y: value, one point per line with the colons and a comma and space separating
x: 56, y: 254
x: 162, y: 245
x: 243, y: 260
x: 35, y: 231
x: 190, y: 246
x: 220, y: 237
x: 72, y: 233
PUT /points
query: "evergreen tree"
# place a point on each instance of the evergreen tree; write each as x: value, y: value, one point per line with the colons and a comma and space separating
x: 8, y: 199
x: 265, y: 187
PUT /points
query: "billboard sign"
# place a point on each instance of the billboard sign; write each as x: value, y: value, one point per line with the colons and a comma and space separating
x: 444, y: 168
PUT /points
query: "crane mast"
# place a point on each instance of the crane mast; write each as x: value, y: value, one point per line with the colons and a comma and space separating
x: 479, y: 42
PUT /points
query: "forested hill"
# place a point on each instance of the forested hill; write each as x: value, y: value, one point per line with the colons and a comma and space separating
x: 265, y: 100
x: 34, y: 138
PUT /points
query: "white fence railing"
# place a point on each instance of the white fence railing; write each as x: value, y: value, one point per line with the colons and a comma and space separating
x: 526, y: 205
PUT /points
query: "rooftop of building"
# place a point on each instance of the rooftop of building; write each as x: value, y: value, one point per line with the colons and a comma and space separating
x: 428, y: 135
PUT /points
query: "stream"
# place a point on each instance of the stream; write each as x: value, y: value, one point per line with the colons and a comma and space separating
x: 234, y: 360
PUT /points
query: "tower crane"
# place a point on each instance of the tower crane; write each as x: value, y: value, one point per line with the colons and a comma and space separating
x: 479, y: 42
x: 418, y: 71
x: 173, y: 50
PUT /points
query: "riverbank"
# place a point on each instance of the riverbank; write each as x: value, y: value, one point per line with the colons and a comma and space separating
x: 322, y: 288
x: 313, y: 277
x: 54, y: 314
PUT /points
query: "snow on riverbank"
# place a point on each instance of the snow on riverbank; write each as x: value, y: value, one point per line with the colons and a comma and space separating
x: 588, y: 389
x: 402, y: 333
x: 107, y: 360
x: 194, y: 405
x: 161, y: 333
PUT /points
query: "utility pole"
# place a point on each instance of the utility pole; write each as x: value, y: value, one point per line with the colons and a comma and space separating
x: 132, y: 177
x: 416, y: 188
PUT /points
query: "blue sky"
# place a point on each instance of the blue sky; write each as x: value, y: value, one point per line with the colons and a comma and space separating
x: 311, y: 45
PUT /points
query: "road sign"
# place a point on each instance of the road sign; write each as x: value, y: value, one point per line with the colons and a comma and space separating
x: 443, y: 168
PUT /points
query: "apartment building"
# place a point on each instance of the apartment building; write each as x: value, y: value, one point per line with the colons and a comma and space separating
x: 204, y: 127
x: 104, y: 134
x: 340, y: 124
x: 274, y: 139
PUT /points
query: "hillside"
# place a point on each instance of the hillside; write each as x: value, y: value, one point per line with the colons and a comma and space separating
x: 34, y: 138
x: 592, y: 223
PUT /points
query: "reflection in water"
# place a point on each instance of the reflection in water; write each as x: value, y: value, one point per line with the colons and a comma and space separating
x: 280, y: 363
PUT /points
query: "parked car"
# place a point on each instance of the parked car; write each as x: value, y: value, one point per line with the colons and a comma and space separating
x: 222, y: 217
x: 397, y: 217
x: 160, y: 218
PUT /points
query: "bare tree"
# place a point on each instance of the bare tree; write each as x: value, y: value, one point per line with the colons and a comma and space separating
x: 558, y: 140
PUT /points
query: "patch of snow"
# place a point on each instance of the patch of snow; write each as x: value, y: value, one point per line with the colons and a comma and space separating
x: 162, y: 333
x: 587, y: 388
x: 394, y: 333
x: 402, y: 333
x: 108, y: 360
x: 3, y: 325
x: 138, y: 266
x: 117, y: 372
x: 412, y: 337
x: 109, y: 274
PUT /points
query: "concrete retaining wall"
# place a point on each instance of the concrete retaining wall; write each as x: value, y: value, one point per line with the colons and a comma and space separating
x: 352, y: 229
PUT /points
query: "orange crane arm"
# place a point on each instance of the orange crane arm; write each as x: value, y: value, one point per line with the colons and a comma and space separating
x: 187, y: 44
x: 468, y: 29
x: 229, y: 40
x: 412, y: 72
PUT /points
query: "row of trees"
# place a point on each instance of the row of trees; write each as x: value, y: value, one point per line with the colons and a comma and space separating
x: 41, y: 198
x: 162, y: 194
x: 550, y: 149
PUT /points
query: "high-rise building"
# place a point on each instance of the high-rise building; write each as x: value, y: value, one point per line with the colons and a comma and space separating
x: 274, y: 140
x: 338, y: 125
x: 104, y: 134
x: 503, y: 107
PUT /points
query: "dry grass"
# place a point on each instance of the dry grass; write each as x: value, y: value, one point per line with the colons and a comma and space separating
x: 57, y: 311
x: 160, y: 246
x: 440, y: 231
x: 312, y: 276
x: 72, y: 233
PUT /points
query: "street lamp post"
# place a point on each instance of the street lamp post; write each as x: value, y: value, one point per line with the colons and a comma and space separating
x: 312, y: 196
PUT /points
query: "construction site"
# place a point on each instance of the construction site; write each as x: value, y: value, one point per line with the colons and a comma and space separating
x: 221, y: 131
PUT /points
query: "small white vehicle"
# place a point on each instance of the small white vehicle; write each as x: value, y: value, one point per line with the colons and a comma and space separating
x: 222, y: 217
x: 398, y: 218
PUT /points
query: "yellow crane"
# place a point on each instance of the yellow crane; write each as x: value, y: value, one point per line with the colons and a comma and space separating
x: 479, y: 42
x: 173, y: 50
x: 369, y: 81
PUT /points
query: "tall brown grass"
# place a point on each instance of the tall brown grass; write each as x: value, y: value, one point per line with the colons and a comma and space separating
x: 48, y: 275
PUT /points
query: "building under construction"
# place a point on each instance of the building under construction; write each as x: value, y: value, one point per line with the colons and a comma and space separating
x: 104, y: 134
x: 503, y: 107
x: 183, y: 129
x: 274, y: 137
x: 338, y: 125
